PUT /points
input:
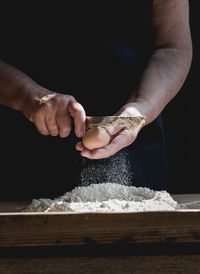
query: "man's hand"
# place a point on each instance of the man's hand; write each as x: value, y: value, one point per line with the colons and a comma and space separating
x: 51, y: 112
x: 120, y: 137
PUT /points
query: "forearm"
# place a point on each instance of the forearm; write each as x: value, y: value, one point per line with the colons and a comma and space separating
x: 161, y: 80
x: 13, y: 86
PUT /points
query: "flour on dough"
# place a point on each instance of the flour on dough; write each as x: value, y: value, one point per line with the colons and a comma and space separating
x: 106, y: 197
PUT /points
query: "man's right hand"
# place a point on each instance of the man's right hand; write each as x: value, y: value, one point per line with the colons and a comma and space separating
x: 51, y: 112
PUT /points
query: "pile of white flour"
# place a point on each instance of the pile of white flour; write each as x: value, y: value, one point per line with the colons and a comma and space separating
x: 107, y: 197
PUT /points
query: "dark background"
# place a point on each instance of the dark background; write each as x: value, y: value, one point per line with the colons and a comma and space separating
x: 181, y: 121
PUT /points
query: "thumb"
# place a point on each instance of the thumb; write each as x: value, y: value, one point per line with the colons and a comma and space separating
x: 78, y: 113
x: 113, y: 130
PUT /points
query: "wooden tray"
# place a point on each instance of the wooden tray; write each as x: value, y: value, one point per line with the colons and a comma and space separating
x: 43, y: 229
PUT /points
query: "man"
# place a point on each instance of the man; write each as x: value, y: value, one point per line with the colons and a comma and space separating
x: 114, y: 59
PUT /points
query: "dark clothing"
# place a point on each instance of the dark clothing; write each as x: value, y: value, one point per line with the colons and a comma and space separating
x: 95, y: 53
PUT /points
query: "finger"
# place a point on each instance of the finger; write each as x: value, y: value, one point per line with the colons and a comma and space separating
x: 80, y: 146
x: 78, y: 113
x: 114, y: 130
x: 122, y: 140
x: 39, y: 121
x: 52, y: 125
x: 64, y: 124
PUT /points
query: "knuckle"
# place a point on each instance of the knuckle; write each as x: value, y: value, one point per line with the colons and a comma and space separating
x: 53, y: 128
x: 64, y: 129
x: 63, y: 122
x: 51, y: 125
x: 76, y: 110
x: 77, y: 107
x: 42, y: 110
x: 71, y: 98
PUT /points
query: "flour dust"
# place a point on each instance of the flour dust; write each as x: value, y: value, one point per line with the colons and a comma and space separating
x: 115, y: 169
x: 107, y: 186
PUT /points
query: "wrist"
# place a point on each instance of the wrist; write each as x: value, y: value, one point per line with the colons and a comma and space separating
x: 133, y: 109
x: 141, y: 108
x: 30, y: 93
x: 136, y: 109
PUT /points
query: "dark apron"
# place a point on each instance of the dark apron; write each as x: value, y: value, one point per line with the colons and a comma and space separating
x: 96, y: 54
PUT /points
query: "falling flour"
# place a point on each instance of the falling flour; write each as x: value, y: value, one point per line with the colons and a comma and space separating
x: 114, y: 169
x: 107, y: 197
x: 107, y: 186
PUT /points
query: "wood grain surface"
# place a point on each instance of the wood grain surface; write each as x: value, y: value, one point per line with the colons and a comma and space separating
x: 183, y: 264
x: 46, y: 231
x: 76, y: 229
x: 40, y: 229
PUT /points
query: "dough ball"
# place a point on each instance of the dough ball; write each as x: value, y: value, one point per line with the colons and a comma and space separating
x: 96, y: 137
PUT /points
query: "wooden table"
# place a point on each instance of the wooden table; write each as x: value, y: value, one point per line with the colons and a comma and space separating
x: 140, y: 242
